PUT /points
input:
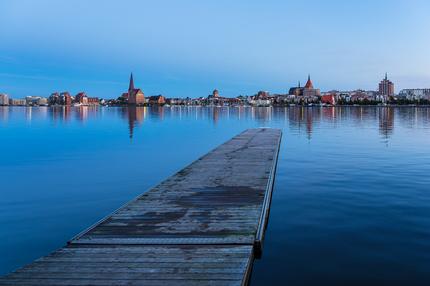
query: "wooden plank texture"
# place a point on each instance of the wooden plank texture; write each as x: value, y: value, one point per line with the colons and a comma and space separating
x: 202, y: 226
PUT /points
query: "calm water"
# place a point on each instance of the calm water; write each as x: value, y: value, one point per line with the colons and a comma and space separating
x: 352, y: 196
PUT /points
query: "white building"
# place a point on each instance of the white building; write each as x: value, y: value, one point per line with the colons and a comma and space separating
x: 4, y: 99
x: 416, y: 93
x: 36, y: 100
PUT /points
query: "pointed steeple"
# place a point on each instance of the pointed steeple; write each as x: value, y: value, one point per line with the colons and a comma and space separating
x: 131, y: 85
x: 309, y: 84
x: 299, y: 84
x: 386, y: 76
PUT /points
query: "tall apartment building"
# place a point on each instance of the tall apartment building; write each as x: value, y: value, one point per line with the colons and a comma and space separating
x: 386, y: 87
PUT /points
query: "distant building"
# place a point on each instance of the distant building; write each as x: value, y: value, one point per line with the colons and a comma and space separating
x: 134, y: 96
x: 215, y: 99
x: 359, y: 96
x: 20, y: 102
x: 386, y: 87
x: 93, y: 101
x: 329, y: 99
x: 262, y: 95
x: 306, y: 94
x: 157, y: 99
x: 308, y: 90
x: 81, y: 98
x: 296, y: 91
x: 43, y: 101
x: 36, y: 101
x: 66, y: 98
x: 415, y: 94
x: 262, y: 98
x: 4, y: 99
x: 54, y: 99
x: 215, y: 94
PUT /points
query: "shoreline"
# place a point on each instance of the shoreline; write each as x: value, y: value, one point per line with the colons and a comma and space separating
x: 221, y: 106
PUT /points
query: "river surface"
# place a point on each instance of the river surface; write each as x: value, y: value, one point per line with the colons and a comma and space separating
x: 351, y: 203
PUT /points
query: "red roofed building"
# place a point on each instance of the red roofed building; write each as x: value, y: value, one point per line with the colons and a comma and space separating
x: 328, y: 99
x: 309, y: 83
x: 309, y: 90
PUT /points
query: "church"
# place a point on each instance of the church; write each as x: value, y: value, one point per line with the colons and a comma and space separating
x: 307, y: 91
x: 134, y: 96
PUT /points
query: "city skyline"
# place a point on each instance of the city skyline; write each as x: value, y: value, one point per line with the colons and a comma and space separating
x: 185, y: 49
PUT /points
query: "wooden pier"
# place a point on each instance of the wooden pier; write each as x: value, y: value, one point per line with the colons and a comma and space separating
x: 202, y: 226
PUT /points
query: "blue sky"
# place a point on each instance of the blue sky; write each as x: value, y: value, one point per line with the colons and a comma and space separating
x: 188, y: 48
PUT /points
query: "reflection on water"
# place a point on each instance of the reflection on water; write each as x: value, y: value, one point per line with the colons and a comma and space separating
x: 301, y: 119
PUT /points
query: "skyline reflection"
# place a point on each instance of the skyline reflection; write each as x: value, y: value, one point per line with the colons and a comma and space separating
x: 299, y: 119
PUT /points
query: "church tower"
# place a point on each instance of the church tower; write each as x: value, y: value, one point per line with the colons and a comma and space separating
x: 309, y: 84
x: 131, y: 85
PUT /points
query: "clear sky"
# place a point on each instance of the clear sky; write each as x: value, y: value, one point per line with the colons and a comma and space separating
x: 188, y: 48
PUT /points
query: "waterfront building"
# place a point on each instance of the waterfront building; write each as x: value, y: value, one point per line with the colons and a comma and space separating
x: 296, y: 91
x: 306, y: 94
x: 36, y: 100
x: 4, y: 99
x: 215, y: 99
x: 359, y: 96
x: 81, y: 98
x: 328, y: 99
x: 19, y: 102
x: 93, y: 101
x: 309, y: 90
x: 157, y: 99
x: 134, y: 96
x: 54, y: 99
x: 66, y: 98
x: 215, y: 94
x: 177, y: 101
x: 386, y: 87
x: 262, y: 98
x: 415, y: 94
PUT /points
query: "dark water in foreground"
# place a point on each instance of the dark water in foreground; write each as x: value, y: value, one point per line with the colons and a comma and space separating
x: 352, y: 195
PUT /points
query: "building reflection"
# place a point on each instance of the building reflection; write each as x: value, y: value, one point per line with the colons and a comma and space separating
x: 67, y: 112
x: 135, y: 116
x: 304, y: 118
x: 4, y: 113
x: 386, y: 122
x: 156, y: 112
x: 262, y: 114
x: 215, y: 114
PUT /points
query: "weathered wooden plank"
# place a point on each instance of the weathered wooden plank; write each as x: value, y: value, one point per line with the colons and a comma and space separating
x: 202, y: 226
x: 75, y: 264
x: 104, y: 282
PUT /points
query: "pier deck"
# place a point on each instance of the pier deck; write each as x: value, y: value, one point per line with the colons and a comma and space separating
x: 202, y: 226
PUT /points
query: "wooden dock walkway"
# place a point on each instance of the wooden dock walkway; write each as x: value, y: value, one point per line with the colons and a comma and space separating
x: 202, y: 226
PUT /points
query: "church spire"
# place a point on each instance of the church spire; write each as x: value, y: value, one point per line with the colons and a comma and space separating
x: 386, y: 76
x: 131, y: 86
x: 309, y: 84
